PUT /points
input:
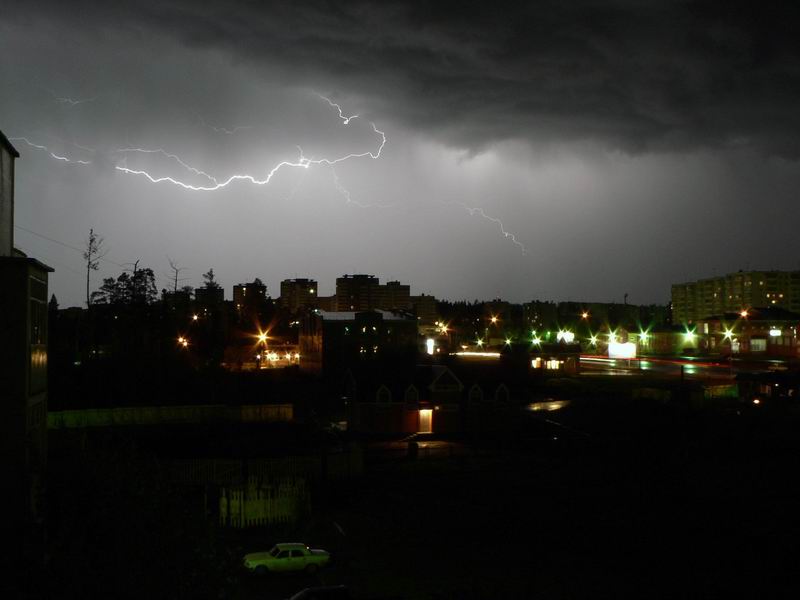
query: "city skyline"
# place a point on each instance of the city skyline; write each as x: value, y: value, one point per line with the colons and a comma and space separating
x: 577, y: 153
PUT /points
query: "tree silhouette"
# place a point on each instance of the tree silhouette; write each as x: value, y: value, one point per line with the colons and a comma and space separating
x: 92, y: 256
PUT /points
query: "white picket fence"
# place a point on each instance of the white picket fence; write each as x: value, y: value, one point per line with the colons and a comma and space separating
x: 258, y: 504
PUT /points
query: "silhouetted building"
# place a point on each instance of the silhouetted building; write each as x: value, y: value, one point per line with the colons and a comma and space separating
x: 178, y: 300
x: 769, y: 332
x: 209, y: 296
x: 414, y: 399
x: 297, y: 294
x: 331, y: 342
x: 365, y: 292
x: 249, y: 296
x: 7, y: 155
x: 735, y: 292
x: 23, y: 367
x: 539, y: 315
x: 326, y: 303
x: 356, y: 292
x: 424, y: 306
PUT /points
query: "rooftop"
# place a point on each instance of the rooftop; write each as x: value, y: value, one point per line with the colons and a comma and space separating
x: 351, y: 315
x: 8, y: 145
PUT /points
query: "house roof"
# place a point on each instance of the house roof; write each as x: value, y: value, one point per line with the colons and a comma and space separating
x: 351, y: 315
x: 8, y: 145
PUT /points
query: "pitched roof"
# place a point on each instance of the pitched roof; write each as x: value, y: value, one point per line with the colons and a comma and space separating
x: 8, y: 145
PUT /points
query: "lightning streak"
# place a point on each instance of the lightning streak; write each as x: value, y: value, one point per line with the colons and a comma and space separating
x: 172, y: 157
x: 346, y: 194
x: 472, y: 210
x: 301, y: 163
x: 72, y: 102
x: 53, y: 154
x: 222, y: 129
x: 68, y: 101
x: 345, y: 120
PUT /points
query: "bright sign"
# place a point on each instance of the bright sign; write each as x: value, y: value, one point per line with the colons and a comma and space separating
x: 620, y: 350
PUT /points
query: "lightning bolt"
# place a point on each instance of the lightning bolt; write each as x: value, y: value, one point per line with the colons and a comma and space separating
x: 222, y: 129
x: 301, y: 163
x: 346, y: 194
x: 68, y: 101
x: 215, y: 184
x: 171, y: 157
x: 53, y: 154
x: 72, y: 102
x: 473, y: 210
x: 345, y: 120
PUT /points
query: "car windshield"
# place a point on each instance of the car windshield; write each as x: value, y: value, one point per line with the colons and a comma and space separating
x: 274, y: 552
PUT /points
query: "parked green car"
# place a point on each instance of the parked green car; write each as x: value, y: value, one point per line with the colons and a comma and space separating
x: 287, y: 557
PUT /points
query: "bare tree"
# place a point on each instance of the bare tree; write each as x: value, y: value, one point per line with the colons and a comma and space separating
x: 176, y: 271
x: 92, y: 255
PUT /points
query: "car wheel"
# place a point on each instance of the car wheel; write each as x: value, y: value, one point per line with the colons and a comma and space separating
x: 261, y: 570
x: 311, y: 569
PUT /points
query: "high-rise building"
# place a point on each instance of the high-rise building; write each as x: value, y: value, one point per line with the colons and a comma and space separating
x: 356, y: 292
x: 251, y: 295
x: 425, y: 308
x: 297, y: 294
x: 365, y: 292
x: 735, y: 292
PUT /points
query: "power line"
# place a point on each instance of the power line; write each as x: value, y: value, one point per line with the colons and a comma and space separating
x: 60, y: 243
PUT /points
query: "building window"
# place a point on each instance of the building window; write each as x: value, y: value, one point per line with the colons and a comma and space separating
x: 384, y: 396
x: 758, y: 345
x: 412, y: 395
x: 475, y: 394
x: 501, y: 395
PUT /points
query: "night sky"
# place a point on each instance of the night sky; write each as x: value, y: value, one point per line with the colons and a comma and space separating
x: 578, y: 152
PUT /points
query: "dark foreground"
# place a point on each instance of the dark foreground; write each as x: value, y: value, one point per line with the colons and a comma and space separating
x: 597, y: 500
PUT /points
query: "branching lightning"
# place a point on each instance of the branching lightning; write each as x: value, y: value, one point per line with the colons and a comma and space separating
x: 52, y: 154
x: 214, y: 183
x: 171, y: 157
x: 301, y: 162
x: 345, y: 120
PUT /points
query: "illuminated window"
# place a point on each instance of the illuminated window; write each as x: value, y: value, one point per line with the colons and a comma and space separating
x: 553, y: 364
x: 758, y: 345
x: 536, y: 363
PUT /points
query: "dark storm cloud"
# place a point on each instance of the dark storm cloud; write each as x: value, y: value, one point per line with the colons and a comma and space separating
x: 631, y: 75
